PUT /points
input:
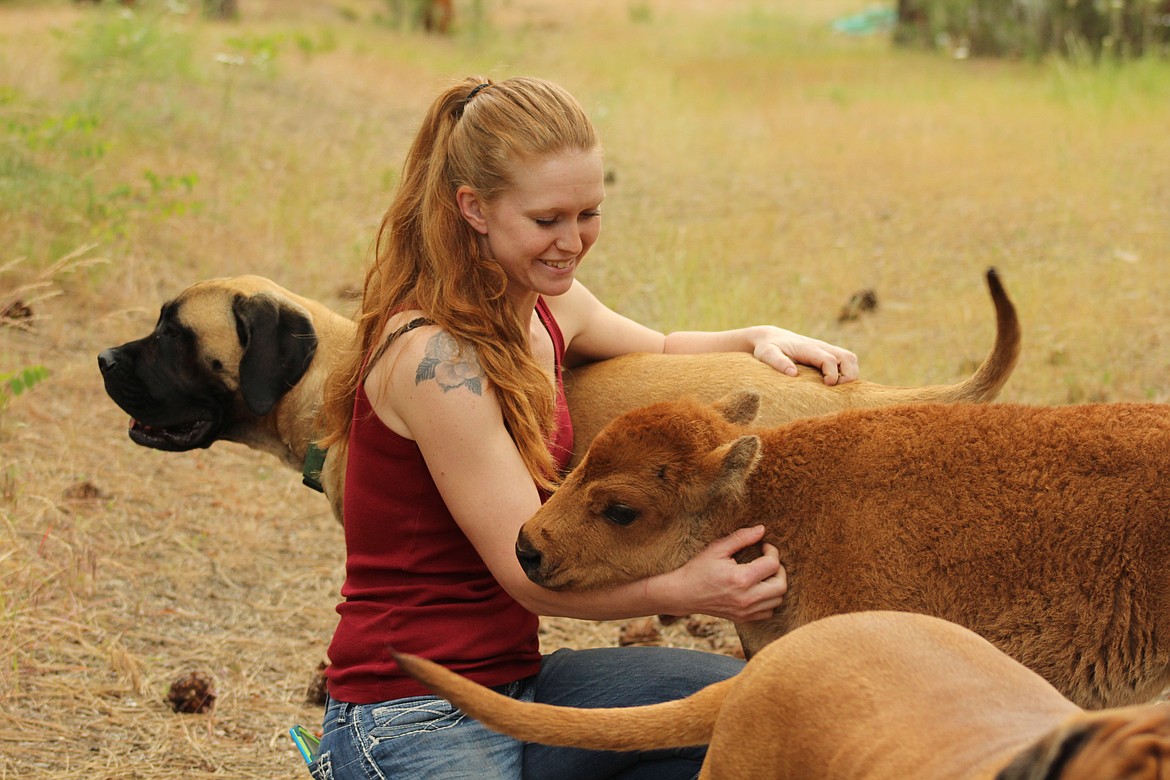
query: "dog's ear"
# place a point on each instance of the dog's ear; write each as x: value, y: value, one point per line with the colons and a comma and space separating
x: 1048, y: 758
x: 732, y: 464
x: 740, y: 407
x: 278, y: 342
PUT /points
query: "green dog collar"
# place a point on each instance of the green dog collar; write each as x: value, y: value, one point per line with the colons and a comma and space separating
x: 311, y: 473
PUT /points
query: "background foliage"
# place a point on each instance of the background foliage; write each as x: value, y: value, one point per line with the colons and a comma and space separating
x: 1032, y: 28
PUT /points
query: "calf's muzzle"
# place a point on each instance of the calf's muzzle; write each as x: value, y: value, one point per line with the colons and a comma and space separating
x: 529, y: 557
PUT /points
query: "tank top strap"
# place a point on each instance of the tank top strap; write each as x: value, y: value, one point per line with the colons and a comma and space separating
x: 554, y: 331
x: 417, y: 322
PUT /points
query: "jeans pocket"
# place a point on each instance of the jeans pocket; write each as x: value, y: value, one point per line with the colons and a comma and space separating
x: 415, y: 715
x: 321, y: 767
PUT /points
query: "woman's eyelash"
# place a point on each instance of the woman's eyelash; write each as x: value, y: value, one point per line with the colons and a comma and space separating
x: 550, y: 221
x: 553, y: 219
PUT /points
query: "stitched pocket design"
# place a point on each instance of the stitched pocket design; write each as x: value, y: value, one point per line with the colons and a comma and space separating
x: 321, y: 768
x: 412, y: 716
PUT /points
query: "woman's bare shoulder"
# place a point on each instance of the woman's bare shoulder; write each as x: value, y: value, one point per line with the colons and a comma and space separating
x: 573, y: 310
x: 423, y: 365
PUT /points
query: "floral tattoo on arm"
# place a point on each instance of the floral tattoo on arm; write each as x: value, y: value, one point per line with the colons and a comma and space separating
x: 450, y: 367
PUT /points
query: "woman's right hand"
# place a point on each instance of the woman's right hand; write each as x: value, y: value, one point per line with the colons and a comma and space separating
x: 714, y: 583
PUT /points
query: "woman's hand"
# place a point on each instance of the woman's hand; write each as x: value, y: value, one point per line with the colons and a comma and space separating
x: 783, y: 349
x: 714, y: 583
x: 779, y: 348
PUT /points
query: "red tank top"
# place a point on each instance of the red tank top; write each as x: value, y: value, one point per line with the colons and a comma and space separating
x: 413, y: 581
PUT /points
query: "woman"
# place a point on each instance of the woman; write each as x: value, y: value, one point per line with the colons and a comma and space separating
x: 457, y: 428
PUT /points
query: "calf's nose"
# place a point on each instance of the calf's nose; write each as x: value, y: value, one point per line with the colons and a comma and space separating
x: 529, y: 557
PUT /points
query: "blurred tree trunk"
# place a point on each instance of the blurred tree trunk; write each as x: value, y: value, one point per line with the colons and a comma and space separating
x: 221, y: 9
x: 913, y: 25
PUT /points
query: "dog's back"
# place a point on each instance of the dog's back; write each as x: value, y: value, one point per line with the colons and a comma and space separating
x: 601, y: 391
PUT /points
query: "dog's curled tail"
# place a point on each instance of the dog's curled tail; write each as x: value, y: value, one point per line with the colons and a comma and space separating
x: 681, y: 723
x: 989, y: 378
x: 982, y: 386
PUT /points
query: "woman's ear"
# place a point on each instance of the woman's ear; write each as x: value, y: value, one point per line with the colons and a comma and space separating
x: 471, y: 207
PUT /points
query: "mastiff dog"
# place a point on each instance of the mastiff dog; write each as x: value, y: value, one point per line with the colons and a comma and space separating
x: 242, y: 359
x: 235, y: 359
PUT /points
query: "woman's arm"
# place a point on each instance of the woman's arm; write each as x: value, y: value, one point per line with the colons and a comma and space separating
x: 595, y: 332
x: 779, y: 348
x: 489, y: 492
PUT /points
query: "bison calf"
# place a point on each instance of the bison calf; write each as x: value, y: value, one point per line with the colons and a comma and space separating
x: 1046, y: 530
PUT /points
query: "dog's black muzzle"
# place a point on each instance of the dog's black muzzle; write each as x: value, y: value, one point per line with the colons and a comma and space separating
x: 168, y: 412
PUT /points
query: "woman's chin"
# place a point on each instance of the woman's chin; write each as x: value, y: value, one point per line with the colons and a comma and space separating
x: 554, y: 281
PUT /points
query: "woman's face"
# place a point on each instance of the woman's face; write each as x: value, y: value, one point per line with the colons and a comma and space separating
x: 540, y: 229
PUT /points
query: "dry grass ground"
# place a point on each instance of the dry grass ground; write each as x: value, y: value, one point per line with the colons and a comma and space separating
x: 763, y: 170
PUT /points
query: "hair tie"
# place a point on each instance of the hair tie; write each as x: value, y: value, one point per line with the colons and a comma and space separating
x: 475, y: 92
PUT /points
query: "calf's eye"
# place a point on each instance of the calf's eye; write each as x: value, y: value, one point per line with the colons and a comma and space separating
x: 620, y: 514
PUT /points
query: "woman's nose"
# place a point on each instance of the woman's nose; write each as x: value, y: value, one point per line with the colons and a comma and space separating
x: 569, y: 239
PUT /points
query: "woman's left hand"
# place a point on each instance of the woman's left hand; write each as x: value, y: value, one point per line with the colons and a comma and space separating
x: 783, y: 349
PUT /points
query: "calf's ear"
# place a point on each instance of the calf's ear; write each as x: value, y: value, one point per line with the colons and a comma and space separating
x: 732, y: 464
x: 740, y: 407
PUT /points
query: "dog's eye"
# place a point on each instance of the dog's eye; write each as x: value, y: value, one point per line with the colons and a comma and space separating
x: 620, y: 514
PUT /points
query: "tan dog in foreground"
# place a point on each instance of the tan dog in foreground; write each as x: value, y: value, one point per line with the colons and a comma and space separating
x: 862, y: 696
x: 1045, y: 530
x: 242, y: 359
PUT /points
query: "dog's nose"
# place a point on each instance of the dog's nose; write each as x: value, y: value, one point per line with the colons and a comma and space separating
x: 106, y: 360
x: 529, y: 558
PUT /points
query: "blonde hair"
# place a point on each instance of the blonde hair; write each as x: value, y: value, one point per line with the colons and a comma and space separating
x: 428, y: 257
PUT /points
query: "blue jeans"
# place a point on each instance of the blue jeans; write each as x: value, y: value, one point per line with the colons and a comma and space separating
x: 425, y: 737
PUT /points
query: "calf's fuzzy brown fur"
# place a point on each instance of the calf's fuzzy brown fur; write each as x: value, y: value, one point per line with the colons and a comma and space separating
x: 866, y: 695
x: 1045, y: 530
